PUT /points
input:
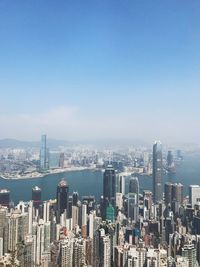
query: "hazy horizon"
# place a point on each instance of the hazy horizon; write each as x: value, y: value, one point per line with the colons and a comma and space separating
x: 86, y: 70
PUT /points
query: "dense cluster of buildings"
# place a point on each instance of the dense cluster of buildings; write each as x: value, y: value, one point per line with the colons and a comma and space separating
x: 124, y: 229
x: 37, y: 160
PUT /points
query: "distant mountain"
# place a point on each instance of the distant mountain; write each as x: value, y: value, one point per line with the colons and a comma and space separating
x: 113, y: 143
x: 13, y: 143
x: 54, y: 143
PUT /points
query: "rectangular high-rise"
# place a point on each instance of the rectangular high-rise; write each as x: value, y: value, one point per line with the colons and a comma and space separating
x: 194, y: 194
x: 120, y: 180
x: 109, y: 185
x: 43, y: 153
x: 157, y: 171
x: 173, y: 193
x: 109, y: 188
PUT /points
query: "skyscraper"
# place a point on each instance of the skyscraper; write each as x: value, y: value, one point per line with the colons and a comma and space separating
x: 43, y: 153
x: 66, y: 252
x: 109, y: 185
x: 62, y: 160
x: 134, y: 186
x: 189, y: 251
x: 177, y: 193
x: 4, y: 197
x: 62, y: 198
x: 110, y: 213
x: 109, y: 188
x: 132, y: 206
x: 36, y: 196
x: 173, y: 192
x: 168, y: 193
x: 75, y: 198
x: 104, y: 249
x: 157, y: 171
x: 120, y: 183
x: 147, y: 202
x: 170, y: 158
x: 194, y: 194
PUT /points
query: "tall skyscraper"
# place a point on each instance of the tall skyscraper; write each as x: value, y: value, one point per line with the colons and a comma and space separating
x: 66, y: 252
x: 110, y: 213
x: 109, y: 185
x: 62, y: 198
x: 43, y: 153
x: 75, y: 198
x: 109, y: 188
x: 36, y: 196
x: 4, y: 197
x: 104, y: 249
x: 177, y: 193
x: 17, y: 228
x: 189, y: 251
x: 170, y: 165
x: 170, y: 159
x: 120, y: 183
x: 134, y: 186
x: 173, y: 193
x: 157, y: 171
x: 27, y: 254
x: 62, y: 160
x: 168, y: 193
x: 147, y: 203
x: 132, y: 206
x: 119, y: 200
x: 194, y: 194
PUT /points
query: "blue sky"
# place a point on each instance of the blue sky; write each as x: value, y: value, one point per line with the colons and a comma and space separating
x: 93, y: 69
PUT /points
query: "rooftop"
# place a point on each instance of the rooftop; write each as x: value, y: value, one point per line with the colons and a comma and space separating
x: 62, y: 183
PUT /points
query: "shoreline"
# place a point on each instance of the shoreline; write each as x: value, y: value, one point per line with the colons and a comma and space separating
x: 36, y: 175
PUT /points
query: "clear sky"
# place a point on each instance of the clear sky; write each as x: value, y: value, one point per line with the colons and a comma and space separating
x: 96, y: 69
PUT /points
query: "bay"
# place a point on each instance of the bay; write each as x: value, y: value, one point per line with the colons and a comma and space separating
x: 88, y: 182
x: 85, y: 182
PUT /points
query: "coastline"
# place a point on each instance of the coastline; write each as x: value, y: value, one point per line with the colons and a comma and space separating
x: 35, y: 175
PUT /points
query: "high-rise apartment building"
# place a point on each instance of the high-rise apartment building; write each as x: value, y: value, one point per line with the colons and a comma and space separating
x: 104, y: 249
x: 79, y: 252
x: 66, y: 253
x: 17, y: 229
x: 189, y: 251
x: 27, y: 252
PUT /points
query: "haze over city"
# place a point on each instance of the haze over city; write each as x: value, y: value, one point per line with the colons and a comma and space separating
x: 86, y: 70
x: 99, y: 133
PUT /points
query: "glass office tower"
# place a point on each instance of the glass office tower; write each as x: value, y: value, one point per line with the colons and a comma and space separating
x: 157, y: 172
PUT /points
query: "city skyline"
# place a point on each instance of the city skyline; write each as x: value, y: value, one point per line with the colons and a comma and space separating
x: 83, y: 69
x: 114, y: 209
x: 100, y: 83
